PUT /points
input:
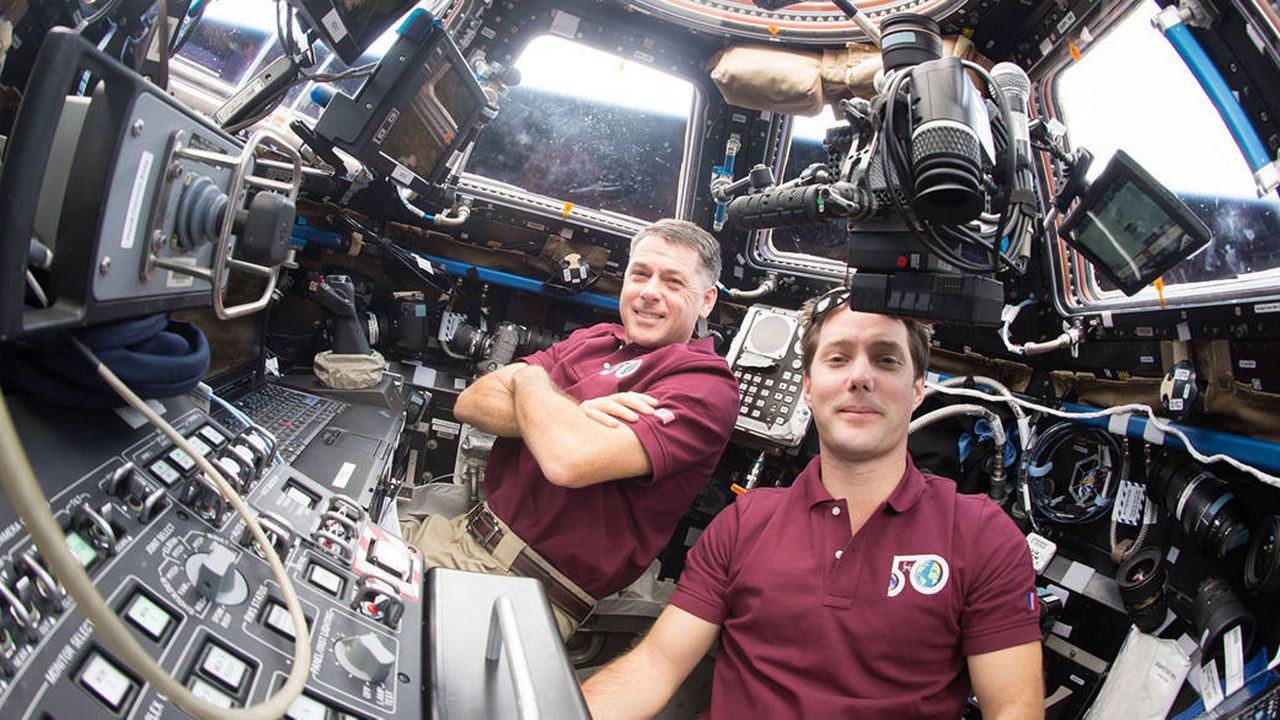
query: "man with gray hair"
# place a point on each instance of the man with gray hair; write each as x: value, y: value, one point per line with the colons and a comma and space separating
x: 604, y: 439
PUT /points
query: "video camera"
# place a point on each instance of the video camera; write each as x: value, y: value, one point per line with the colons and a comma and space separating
x: 940, y: 199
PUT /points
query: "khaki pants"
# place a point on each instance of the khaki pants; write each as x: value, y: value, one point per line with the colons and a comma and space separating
x: 446, y: 543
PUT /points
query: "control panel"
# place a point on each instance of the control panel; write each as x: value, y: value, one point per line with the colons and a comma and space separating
x: 765, y: 357
x: 179, y: 567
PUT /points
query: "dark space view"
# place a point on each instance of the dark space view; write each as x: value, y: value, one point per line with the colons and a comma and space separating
x: 599, y: 156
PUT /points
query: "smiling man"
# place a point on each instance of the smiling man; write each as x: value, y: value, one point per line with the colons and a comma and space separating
x: 866, y: 589
x: 604, y: 439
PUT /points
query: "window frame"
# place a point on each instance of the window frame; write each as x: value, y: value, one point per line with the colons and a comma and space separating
x: 509, y: 195
x: 1076, y: 290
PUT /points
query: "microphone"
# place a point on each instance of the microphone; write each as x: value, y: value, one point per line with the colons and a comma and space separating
x: 1015, y: 86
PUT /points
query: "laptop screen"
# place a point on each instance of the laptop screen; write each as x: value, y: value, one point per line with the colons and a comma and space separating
x: 235, y: 346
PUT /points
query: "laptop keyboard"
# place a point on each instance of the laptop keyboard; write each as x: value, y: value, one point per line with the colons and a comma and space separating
x: 294, y: 417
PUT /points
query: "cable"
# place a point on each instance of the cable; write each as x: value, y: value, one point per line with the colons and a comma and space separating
x: 1072, y: 336
x: 180, y: 38
x: 1119, y: 555
x: 107, y: 8
x: 1082, y: 492
x: 997, y: 490
x: 27, y: 498
x: 248, y: 423
x: 1019, y: 416
x: 1160, y: 424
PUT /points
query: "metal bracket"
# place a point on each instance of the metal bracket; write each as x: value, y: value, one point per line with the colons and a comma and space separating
x: 243, y: 178
x: 1267, y: 178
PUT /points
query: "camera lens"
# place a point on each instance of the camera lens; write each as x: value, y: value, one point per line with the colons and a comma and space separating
x: 1217, y: 610
x: 1204, y: 505
x: 1141, y: 581
x: 1262, y: 564
x: 908, y: 39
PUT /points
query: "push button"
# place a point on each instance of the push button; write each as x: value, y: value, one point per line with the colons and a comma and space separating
x: 210, y: 694
x: 106, y: 682
x: 325, y: 579
x: 224, y: 667
x: 276, y: 617
x: 201, y: 447
x: 165, y: 472
x: 212, y: 436
x: 181, y: 459
x: 147, y: 616
x: 392, y: 557
x: 307, y: 708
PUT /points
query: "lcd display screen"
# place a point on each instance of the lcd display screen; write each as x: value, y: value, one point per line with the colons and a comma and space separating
x: 425, y: 127
x: 1131, y: 228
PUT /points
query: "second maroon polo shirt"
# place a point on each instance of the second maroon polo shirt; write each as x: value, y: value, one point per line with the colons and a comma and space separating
x: 817, y: 623
x: 604, y: 536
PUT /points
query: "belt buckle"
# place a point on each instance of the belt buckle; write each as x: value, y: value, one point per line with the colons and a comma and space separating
x: 479, y: 513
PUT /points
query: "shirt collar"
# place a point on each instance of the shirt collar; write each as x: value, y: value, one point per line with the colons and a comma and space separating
x: 903, y: 497
x: 707, y: 343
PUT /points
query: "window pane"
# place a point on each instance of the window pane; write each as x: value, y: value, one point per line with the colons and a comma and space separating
x: 589, y: 128
x: 1131, y: 91
x: 827, y: 240
x: 230, y: 37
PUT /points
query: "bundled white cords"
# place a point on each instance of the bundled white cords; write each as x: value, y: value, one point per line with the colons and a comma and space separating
x: 19, y: 482
x: 1163, y: 426
x: 1019, y: 416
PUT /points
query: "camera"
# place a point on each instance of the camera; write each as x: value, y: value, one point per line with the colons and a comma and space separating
x: 938, y: 197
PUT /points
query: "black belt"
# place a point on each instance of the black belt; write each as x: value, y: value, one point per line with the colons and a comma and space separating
x: 484, y: 527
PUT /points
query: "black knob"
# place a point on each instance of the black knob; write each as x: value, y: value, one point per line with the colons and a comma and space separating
x: 265, y: 229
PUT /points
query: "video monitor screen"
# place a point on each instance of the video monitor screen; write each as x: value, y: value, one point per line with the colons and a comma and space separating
x: 428, y: 124
x: 349, y: 27
x: 1130, y: 227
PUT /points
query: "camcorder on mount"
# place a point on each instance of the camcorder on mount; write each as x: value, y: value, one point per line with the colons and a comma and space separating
x: 939, y: 202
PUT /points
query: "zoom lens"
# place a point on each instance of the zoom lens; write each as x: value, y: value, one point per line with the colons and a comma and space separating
x: 1141, y: 580
x: 1217, y: 610
x: 908, y: 39
x: 1262, y: 563
x: 1203, y: 504
x: 946, y: 148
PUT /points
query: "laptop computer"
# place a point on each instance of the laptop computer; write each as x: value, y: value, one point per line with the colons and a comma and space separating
x: 343, y: 444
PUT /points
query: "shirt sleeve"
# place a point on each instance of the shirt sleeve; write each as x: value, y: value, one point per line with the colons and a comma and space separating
x: 704, y: 582
x: 1001, y: 609
x: 692, y: 423
x: 548, y: 358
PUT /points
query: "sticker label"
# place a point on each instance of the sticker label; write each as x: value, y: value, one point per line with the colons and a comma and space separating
x: 175, y: 279
x: 402, y: 175
x: 1130, y: 505
x: 1248, y: 364
x: 344, y: 475
x: 564, y: 24
x: 1270, y: 307
x: 1210, y: 688
x: 1233, y: 659
x: 334, y: 25
x: 134, y: 211
x: 1066, y: 22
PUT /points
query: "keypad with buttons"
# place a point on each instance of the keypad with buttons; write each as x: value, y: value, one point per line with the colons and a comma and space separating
x: 771, y: 396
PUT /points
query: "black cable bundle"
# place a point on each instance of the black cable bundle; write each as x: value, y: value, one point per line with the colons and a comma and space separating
x: 1076, y: 503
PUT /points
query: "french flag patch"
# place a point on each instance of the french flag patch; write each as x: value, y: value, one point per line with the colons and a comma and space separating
x: 1031, y: 601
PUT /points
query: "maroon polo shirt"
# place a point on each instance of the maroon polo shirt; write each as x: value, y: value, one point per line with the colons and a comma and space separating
x: 605, y: 535
x: 817, y: 623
